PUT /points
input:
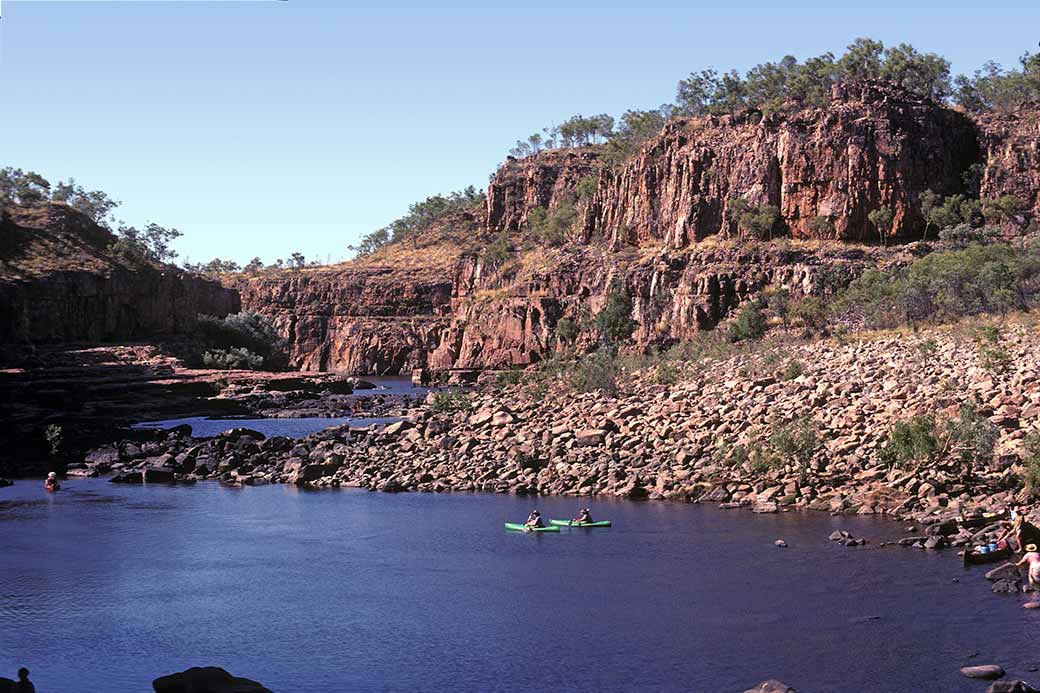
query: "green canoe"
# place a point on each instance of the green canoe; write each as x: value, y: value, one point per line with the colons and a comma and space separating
x: 572, y: 523
x: 517, y: 527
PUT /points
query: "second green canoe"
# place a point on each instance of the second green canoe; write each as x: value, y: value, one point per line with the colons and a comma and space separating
x: 517, y: 527
x: 572, y: 523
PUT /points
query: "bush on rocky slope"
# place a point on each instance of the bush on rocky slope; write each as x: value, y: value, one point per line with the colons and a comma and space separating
x: 241, y: 340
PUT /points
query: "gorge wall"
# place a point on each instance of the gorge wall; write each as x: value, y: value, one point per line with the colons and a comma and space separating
x: 660, y: 224
x: 58, y: 284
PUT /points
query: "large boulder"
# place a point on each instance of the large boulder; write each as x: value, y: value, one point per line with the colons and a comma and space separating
x: 983, y: 671
x: 5, y: 482
x: 590, y: 437
x: 130, y: 477
x: 158, y: 475
x: 206, y: 680
x: 242, y: 432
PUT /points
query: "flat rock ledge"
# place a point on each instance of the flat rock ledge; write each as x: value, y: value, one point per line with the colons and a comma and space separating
x: 206, y: 680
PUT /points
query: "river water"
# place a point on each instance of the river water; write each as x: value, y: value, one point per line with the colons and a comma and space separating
x: 104, y: 587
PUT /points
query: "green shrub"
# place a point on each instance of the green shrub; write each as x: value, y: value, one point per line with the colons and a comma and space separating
x: 449, y: 401
x: 792, y: 370
x: 910, y: 442
x: 971, y: 437
x: 597, y: 372
x: 963, y: 235
x: 994, y: 355
x: 552, y: 227
x: 944, y: 286
x: 234, y: 358
x: 614, y: 323
x: 55, y: 436
x: 1031, y: 465
x: 793, y: 441
x: 666, y: 374
x: 511, y: 377
x: 498, y: 251
x: 567, y: 330
x: 921, y: 440
x: 750, y: 323
x: 239, y: 334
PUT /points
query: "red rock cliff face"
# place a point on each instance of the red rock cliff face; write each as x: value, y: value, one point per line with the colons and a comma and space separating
x: 873, y: 146
x: 57, y: 285
x: 371, y: 320
x: 1011, y: 142
x: 646, y: 227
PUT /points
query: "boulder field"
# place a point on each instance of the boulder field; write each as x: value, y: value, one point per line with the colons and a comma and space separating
x: 673, y: 441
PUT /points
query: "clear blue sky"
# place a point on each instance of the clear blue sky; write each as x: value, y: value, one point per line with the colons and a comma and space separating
x: 260, y: 128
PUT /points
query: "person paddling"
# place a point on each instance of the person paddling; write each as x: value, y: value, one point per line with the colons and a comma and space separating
x: 1022, y: 530
x: 52, y: 482
x: 1032, y: 559
x: 584, y: 517
x: 534, y: 520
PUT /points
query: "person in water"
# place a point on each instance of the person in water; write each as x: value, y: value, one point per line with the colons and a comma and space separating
x: 1022, y: 530
x: 52, y: 482
x: 584, y: 517
x: 534, y: 520
x: 24, y: 685
x: 1032, y: 559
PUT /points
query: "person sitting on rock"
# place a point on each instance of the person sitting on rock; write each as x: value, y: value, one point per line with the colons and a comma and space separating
x: 24, y: 685
x: 584, y: 517
x: 1022, y: 530
x: 534, y: 520
x: 1032, y: 559
x: 52, y: 482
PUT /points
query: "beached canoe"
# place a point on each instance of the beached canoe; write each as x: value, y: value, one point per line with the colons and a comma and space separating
x: 973, y: 522
x: 517, y: 527
x: 572, y: 523
x: 972, y: 557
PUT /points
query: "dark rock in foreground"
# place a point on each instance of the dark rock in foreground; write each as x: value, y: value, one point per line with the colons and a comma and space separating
x: 1010, y: 687
x: 772, y: 686
x: 206, y: 680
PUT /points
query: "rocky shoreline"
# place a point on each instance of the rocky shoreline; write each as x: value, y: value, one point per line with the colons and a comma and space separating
x: 670, y: 441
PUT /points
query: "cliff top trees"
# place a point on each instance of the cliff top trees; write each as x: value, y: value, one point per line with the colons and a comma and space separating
x: 29, y: 188
x: 770, y: 85
x: 421, y: 215
x: 150, y: 244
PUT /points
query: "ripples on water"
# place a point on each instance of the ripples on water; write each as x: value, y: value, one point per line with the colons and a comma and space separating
x: 103, y: 587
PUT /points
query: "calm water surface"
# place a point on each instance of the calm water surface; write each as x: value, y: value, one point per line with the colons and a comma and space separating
x: 204, y: 427
x: 104, y: 586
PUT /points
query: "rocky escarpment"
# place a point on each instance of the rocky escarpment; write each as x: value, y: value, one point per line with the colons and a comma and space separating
x: 661, y: 225
x: 58, y: 284
x: 362, y: 320
x: 873, y: 146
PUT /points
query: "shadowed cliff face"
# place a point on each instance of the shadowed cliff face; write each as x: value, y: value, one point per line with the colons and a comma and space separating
x: 58, y: 284
x: 661, y: 225
x: 365, y: 320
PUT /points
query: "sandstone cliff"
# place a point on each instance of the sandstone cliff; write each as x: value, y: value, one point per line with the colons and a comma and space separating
x: 660, y: 224
x: 58, y: 284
